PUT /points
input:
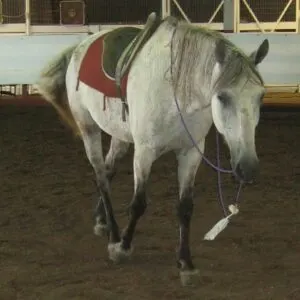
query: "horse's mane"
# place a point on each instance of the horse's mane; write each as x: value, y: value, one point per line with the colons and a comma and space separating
x: 188, y: 42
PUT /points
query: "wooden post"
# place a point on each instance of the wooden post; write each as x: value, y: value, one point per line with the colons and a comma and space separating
x: 27, y: 16
x: 297, y: 15
x: 230, y: 15
x: 165, y: 8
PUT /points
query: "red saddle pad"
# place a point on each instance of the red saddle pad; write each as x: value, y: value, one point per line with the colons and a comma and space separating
x: 92, y: 74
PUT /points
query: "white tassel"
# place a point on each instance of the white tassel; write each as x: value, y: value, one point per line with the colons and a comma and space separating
x: 222, y: 224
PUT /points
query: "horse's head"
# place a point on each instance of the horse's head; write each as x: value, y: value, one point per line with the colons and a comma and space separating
x: 236, y: 105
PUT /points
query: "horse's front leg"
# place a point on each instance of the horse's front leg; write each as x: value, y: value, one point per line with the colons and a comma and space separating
x: 142, y: 163
x: 188, y: 163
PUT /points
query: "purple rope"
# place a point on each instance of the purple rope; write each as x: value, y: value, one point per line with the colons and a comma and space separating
x: 221, y: 200
x: 215, y: 167
x: 237, y: 197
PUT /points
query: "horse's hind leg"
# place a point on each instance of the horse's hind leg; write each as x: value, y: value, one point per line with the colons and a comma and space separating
x: 143, y: 160
x: 188, y: 163
x: 91, y: 136
x: 117, y: 151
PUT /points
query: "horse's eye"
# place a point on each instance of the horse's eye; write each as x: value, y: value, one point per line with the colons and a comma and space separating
x: 224, y: 99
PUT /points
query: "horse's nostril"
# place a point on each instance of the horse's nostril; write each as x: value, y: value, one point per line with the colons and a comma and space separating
x: 239, y: 171
x: 246, y: 170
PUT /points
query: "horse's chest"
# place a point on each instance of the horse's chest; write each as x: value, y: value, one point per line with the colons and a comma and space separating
x: 197, y: 124
x: 172, y: 130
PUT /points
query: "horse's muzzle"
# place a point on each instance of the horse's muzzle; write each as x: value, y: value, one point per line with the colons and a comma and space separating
x: 247, y: 169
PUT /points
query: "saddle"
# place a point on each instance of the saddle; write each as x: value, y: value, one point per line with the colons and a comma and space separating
x: 114, y: 43
x: 107, y: 61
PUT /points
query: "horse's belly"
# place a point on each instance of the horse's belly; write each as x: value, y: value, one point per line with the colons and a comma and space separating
x: 107, y: 113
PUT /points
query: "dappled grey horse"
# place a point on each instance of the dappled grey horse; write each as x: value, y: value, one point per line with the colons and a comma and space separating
x: 212, y: 80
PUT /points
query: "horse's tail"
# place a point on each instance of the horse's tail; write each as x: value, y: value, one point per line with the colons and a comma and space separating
x: 52, y: 86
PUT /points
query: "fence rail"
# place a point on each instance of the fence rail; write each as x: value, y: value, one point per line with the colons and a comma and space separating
x: 45, y: 16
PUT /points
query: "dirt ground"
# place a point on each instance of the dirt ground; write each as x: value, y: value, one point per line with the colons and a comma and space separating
x: 48, y: 250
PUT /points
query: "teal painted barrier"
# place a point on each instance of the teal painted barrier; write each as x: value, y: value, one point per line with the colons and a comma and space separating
x: 22, y: 57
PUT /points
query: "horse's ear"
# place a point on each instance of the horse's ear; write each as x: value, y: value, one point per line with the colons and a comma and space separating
x: 258, y: 56
x: 220, y: 51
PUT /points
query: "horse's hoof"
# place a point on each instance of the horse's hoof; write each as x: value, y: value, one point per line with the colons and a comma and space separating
x: 189, y: 277
x: 117, y: 254
x: 100, y: 229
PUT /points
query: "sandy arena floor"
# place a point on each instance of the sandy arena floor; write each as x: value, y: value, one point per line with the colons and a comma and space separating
x: 48, y: 250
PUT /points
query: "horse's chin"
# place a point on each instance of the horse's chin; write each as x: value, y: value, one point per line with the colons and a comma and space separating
x: 237, y: 175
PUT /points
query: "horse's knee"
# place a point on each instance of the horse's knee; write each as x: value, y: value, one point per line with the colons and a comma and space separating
x: 110, y: 172
x: 102, y: 179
